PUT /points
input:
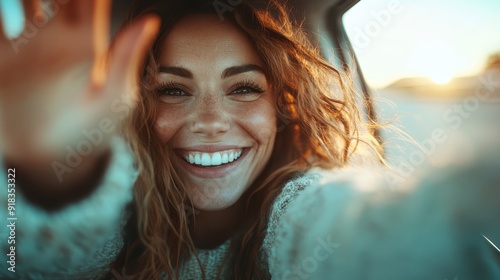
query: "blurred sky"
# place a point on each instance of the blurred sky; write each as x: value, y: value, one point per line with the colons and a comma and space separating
x: 393, y: 39
x: 439, y: 39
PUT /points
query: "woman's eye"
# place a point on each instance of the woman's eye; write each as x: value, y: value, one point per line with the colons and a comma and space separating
x: 247, y: 87
x: 171, y: 93
x: 171, y: 90
x: 245, y: 90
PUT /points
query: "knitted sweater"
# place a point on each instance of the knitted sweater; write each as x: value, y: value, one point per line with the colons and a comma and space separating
x: 347, y: 224
x: 82, y: 240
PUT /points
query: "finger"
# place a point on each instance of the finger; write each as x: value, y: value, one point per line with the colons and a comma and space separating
x: 100, y: 33
x: 101, y: 25
x: 128, y: 54
x: 37, y: 8
x: 32, y: 6
x: 94, y: 15
x: 74, y: 12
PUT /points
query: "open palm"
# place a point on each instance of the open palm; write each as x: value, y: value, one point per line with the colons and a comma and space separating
x: 59, y: 84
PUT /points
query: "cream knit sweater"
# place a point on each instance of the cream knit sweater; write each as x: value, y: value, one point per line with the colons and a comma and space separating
x: 348, y: 224
x: 81, y: 241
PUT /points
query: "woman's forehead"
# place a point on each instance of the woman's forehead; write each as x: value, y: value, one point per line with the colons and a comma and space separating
x: 199, y: 39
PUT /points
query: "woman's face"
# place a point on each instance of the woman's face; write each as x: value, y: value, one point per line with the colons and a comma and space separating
x: 215, y: 109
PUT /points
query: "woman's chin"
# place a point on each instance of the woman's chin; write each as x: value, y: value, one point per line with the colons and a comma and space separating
x: 214, y: 198
x: 213, y: 205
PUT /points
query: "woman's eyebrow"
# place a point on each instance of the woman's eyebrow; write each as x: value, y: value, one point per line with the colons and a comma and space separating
x: 228, y: 72
x: 178, y: 71
x: 235, y: 70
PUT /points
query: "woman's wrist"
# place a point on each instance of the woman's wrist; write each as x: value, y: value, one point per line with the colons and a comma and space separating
x: 52, y: 186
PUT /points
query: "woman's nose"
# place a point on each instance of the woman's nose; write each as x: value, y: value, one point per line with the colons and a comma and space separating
x: 210, y: 118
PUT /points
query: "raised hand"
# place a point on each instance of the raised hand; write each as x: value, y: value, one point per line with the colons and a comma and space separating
x: 61, y: 91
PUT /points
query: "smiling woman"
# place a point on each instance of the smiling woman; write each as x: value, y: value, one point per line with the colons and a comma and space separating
x: 217, y: 172
x: 232, y: 117
x: 233, y: 111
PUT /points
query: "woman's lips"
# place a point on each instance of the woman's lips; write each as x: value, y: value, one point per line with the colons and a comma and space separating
x: 212, y: 164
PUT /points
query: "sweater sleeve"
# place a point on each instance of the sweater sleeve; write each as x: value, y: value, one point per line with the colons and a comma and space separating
x: 290, y: 192
x: 79, y: 241
x: 354, y: 227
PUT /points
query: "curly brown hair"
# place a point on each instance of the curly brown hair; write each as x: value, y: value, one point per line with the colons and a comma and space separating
x: 320, y: 126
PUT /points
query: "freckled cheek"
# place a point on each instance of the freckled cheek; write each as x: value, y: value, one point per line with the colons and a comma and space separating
x: 167, y: 123
x: 260, y: 121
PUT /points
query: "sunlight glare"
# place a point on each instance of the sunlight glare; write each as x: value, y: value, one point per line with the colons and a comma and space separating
x: 435, y: 60
x: 440, y: 78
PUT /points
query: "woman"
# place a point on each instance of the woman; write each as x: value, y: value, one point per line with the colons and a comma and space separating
x: 233, y: 117
x: 230, y: 113
x: 252, y: 89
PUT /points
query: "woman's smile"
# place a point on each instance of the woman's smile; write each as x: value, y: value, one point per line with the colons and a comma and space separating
x: 211, y: 161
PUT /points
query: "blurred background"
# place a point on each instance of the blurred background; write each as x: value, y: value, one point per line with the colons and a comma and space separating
x: 430, y: 65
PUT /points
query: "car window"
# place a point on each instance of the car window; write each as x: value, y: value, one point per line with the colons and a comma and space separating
x: 431, y: 64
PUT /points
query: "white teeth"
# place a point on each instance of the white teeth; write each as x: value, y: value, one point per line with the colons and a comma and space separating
x: 212, y: 159
x: 205, y: 159
x: 225, y: 158
x: 216, y: 159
